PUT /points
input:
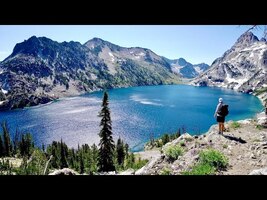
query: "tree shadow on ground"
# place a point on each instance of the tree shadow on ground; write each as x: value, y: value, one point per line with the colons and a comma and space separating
x: 240, y: 140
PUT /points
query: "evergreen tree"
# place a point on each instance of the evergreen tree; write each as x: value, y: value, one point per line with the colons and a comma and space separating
x: 130, y: 161
x: 106, y: 144
x: 63, y: 159
x: 1, y: 147
x: 81, y: 163
x: 43, y: 147
x: 126, y: 147
x: 179, y: 133
x: 29, y: 145
x: 6, y: 140
x: 93, y: 160
x: 120, y: 152
x: 26, y: 145
x: 71, y: 158
x: 165, y: 138
x: 16, y: 142
x: 53, y: 150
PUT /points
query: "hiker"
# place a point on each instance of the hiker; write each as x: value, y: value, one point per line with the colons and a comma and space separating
x: 219, y: 117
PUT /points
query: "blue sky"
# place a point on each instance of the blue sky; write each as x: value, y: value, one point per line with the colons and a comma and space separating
x: 195, y: 43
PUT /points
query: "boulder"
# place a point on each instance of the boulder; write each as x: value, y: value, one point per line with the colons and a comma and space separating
x: 262, y: 171
x: 64, y: 171
x: 127, y: 172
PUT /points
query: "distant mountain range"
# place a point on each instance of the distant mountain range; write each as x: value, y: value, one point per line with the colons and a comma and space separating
x: 40, y: 70
x: 186, y: 69
x: 242, y: 68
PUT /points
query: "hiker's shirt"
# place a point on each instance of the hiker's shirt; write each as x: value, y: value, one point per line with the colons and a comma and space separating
x: 218, y: 108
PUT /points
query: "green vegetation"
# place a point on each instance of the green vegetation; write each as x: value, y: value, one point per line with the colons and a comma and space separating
x: 235, y: 125
x: 164, y: 139
x: 107, y: 145
x: 187, y: 139
x: 214, y: 158
x: 182, y: 144
x: 209, y: 162
x: 166, y: 171
x: 256, y: 140
x: 173, y: 152
x: 260, y: 91
x: 5, y: 167
x: 200, y: 169
x: 225, y: 146
x: 133, y: 163
x: 7, y: 146
x: 85, y: 160
x: 259, y: 127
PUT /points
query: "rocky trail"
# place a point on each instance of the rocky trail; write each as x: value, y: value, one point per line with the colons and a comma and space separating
x: 244, y: 143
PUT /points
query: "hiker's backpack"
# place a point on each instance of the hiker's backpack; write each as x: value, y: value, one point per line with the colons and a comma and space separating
x: 224, y: 110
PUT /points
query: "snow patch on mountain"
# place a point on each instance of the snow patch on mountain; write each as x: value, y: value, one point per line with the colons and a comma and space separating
x: 241, y: 68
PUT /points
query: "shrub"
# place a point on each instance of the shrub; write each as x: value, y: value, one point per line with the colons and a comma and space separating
x: 260, y: 91
x: 200, y: 169
x: 259, y: 127
x: 165, y: 139
x: 165, y: 171
x: 235, y: 125
x: 173, y: 152
x: 213, y: 158
x: 225, y: 146
x: 188, y: 139
x: 210, y: 161
x: 139, y: 163
x: 182, y: 144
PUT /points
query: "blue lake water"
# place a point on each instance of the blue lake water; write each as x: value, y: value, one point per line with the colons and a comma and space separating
x: 136, y: 113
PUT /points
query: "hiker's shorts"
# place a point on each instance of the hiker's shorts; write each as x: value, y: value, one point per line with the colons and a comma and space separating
x: 220, y: 118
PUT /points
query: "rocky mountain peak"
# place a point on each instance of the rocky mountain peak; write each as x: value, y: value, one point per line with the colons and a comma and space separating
x: 96, y: 44
x: 181, y: 61
x: 246, y: 39
x: 34, y: 46
x: 242, y: 68
x: 40, y: 70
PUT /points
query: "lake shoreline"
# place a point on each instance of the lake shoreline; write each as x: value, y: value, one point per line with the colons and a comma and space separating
x: 155, y: 113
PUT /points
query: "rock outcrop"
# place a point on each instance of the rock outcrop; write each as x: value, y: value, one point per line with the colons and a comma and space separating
x: 242, y: 68
x: 64, y: 171
x: 244, y: 143
x: 262, y: 171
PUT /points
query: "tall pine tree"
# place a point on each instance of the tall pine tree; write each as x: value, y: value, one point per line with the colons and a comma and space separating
x: 81, y: 163
x: 6, y: 139
x: 1, y: 146
x: 120, y: 152
x: 63, y: 159
x: 106, y: 149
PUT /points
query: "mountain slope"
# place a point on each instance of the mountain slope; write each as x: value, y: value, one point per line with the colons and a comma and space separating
x: 243, y: 67
x: 186, y: 69
x: 40, y: 70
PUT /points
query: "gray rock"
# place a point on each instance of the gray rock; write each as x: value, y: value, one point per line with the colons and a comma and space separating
x: 251, y: 147
x: 64, y: 171
x: 108, y: 173
x: 262, y: 171
x: 127, y: 172
x: 252, y: 156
